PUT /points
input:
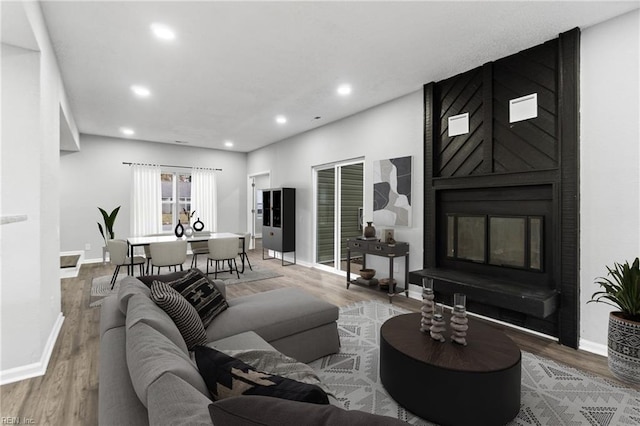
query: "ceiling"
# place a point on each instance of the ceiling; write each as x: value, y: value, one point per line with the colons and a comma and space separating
x: 234, y: 66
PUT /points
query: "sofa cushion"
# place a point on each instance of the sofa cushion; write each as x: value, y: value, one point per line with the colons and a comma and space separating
x: 150, y: 354
x: 273, y: 314
x: 110, y: 314
x: 252, y: 410
x: 128, y: 287
x: 173, y: 276
x: 227, y: 376
x: 241, y: 341
x: 117, y: 400
x: 172, y: 401
x: 143, y: 309
x: 202, y: 294
x: 183, y: 314
x: 165, y: 278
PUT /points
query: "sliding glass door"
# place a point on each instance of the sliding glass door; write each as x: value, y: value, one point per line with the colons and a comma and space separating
x: 339, y: 198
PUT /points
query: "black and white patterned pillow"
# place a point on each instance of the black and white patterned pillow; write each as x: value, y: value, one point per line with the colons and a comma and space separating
x: 183, y: 314
x: 227, y: 376
x: 202, y: 294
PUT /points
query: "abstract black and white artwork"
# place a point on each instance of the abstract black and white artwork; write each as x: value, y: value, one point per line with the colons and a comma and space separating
x: 392, y: 192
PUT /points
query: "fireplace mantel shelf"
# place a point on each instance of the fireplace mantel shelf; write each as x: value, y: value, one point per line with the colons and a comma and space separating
x: 538, y: 302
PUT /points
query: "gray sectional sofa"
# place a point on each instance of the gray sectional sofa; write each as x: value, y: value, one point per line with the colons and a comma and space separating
x: 146, y: 375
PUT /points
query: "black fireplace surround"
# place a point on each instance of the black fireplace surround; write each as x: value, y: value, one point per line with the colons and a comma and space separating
x: 501, y: 202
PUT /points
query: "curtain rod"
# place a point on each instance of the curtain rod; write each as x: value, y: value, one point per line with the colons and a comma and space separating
x: 169, y: 165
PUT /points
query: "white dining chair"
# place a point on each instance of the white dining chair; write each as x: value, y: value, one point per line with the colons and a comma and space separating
x: 147, y: 251
x: 118, y: 257
x: 223, y: 250
x: 198, y: 248
x: 168, y: 254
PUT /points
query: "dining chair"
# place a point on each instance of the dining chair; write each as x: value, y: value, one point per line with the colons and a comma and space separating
x: 118, y: 257
x: 147, y: 252
x: 223, y: 250
x: 168, y: 254
x: 198, y: 248
x: 243, y: 244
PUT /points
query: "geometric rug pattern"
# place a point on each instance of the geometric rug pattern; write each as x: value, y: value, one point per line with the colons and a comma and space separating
x: 551, y: 393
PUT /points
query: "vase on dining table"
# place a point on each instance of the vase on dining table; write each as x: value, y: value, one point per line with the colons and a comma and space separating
x: 179, y: 229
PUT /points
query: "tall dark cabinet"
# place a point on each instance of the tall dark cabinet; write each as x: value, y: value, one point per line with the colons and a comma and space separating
x: 279, y: 222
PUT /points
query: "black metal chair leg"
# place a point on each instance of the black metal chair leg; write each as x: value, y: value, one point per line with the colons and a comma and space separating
x: 246, y: 257
x: 115, y: 276
x: 236, y: 265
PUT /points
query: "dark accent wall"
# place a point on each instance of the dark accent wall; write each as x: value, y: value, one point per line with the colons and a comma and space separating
x: 508, y: 157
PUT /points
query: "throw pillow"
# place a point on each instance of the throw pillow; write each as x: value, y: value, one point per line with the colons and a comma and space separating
x: 165, y: 278
x: 202, y: 294
x: 226, y: 376
x: 183, y: 314
x: 265, y: 411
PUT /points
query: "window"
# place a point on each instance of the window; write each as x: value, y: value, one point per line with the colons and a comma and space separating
x: 176, y: 199
x: 509, y: 241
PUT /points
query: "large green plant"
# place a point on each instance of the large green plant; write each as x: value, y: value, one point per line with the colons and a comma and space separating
x: 622, y: 290
x: 109, y: 220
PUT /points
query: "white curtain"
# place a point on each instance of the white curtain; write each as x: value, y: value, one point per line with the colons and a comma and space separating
x: 146, y: 199
x: 204, y: 195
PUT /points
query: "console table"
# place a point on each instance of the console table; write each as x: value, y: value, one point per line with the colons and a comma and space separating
x: 377, y: 248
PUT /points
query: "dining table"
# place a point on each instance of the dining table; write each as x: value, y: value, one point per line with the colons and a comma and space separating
x: 134, y: 242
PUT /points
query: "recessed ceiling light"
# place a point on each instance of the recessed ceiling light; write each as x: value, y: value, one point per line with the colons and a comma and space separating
x: 163, y: 32
x: 127, y: 131
x: 344, y: 90
x: 141, y: 91
x: 281, y: 119
x: 228, y: 144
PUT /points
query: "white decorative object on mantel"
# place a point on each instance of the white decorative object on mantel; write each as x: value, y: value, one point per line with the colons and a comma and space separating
x: 13, y: 218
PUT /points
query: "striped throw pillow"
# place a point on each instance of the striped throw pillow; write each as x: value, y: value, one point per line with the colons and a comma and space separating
x: 202, y: 294
x: 183, y: 314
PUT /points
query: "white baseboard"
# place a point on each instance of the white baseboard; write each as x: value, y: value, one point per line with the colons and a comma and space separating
x: 35, y: 369
x: 72, y: 272
x: 593, y: 347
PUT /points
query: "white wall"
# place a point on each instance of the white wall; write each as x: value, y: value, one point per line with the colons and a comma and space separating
x: 95, y: 177
x: 32, y: 92
x: 610, y: 160
x: 390, y: 130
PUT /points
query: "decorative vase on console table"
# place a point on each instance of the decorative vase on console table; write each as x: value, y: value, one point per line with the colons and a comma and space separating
x: 369, y: 230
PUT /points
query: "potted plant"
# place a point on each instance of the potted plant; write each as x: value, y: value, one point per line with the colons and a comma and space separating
x: 109, y: 220
x: 622, y: 291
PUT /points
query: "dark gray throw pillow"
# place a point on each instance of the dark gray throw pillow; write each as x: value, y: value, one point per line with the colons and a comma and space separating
x: 202, y: 294
x: 266, y: 411
x: 183, y: 314
x: 226, y: 376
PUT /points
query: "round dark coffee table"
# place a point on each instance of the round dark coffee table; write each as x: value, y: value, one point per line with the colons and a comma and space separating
x: 449, y: 384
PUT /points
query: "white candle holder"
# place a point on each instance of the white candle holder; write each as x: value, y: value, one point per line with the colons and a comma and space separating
x: 459, y: 321
x: 427, y: 304
x: 436, y: 331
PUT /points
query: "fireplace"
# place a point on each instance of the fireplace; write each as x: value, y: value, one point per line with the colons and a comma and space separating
x: 497, y: 232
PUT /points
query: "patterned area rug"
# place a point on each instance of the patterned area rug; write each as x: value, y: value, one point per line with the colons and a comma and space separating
x: 101, y: 286
x: 552, y: 393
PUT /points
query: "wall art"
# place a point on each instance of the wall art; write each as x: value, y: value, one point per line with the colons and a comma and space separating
x: 392, y: 191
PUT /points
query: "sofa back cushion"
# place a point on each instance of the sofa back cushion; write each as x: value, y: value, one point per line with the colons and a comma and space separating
x: 141, y: 309
x: 172, y: 401
x: 150, y: 354
x: 128, y: 287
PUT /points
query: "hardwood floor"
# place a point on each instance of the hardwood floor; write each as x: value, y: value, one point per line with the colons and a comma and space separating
x: 68, y: 393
